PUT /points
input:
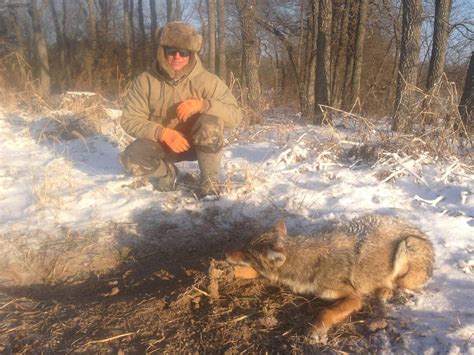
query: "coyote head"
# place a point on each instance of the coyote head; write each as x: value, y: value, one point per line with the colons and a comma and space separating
x: 266, y: 254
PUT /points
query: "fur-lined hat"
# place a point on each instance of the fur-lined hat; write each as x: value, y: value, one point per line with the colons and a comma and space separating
x: 179, y: 35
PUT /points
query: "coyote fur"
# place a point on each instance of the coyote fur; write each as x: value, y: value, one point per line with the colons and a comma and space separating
x: 345, y: 262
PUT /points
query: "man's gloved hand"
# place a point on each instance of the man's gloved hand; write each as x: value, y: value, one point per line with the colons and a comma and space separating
x: 175, y: 140
x: 189, y: 107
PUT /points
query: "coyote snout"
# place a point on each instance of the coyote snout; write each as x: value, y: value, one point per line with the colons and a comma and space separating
x: 370, y: 254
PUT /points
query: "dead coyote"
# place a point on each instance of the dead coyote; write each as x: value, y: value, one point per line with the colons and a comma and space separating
x: 370, y: 254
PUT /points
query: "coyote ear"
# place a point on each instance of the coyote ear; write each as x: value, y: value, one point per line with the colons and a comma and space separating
x: 276, y: 258
x: 280, y: 228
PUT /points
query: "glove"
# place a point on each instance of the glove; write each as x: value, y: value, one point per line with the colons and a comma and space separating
x: 175, y: 140
x: 189, y: 107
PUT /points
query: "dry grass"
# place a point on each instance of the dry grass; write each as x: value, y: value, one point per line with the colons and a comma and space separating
x: 18, y: 88
x: 53, y: 184
x: 438, y: 129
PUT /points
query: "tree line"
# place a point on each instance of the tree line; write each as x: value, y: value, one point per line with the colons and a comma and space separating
x: 317, y: 56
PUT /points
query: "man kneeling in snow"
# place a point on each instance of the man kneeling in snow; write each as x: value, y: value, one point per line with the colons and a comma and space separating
x: 177, y: 111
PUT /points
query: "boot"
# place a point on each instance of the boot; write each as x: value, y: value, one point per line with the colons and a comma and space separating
x: 209, y: 187
x: 209, y: 164
x: 164, y: 178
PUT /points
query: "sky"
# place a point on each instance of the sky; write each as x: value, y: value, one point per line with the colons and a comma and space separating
x: 282, y: 168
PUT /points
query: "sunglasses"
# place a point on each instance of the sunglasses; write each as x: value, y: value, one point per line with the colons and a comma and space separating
x: 172, y: 52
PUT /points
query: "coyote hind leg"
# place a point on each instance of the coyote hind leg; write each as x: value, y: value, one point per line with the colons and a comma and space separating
x: 332, y: 315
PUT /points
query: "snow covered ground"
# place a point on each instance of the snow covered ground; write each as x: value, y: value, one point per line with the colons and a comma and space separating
x: 284, y: 168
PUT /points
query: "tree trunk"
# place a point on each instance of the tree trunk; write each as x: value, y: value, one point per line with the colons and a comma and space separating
x: 247, y: 17
x: 21, y: 49
x: 211, y: 17
x: 323, y: 59
x: 41, y: 50
x: 303, y: 55
x: 201, y: 9
x: 92, y: 50
x: 341, y: 57
x: 21, y: 46
x: 359, y: 49
x: 170, y: 11
x: 396, y: 61
x: 127, y: 34
x: 59, y: 36
x: 67, y: 46
x: 408, y: 69
x: 178, y: 10
x: 103, y: 25
x: 133, y: 44
x: 92, y: 25
x: 221, y: 59
x: 142, y: 42
x: 440, y: 42
x: 467, y: 100
x: 300, y: 60
x: 61, y: 45
x: 337, y: 14
x: 154, y: 27
x: 311, y: 67
x: 276, y: 70
x: 346, y: 87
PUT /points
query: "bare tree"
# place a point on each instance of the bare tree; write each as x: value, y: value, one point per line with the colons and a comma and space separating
x: 173, y: 10
x: 346, y: 86
x: 41, y: 49
x: 247, y: 16
x: 211, y: 17
x: 396, y: 29
x: 311, y: 66
x: 323, y: 59
x: 440, y: 42
x: 141, y: 26
x: 127, y: 33
x: 154, y: 27
x: 178, y: 10
x: 170, y: 11
x: 340, y: 57
x: 92, y: 32
x: 359, y: 48
x: 221, y: 58
x: 59, y: 35
x: 408, y: 69
x: 92, y: 25
x: 466, y: 104
x: 133, y: 46
x: 21, y: 48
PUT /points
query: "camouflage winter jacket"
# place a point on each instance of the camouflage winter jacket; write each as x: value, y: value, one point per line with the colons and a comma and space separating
x: 153, y: 97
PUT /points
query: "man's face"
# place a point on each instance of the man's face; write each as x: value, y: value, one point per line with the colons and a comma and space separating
x: 177, y: 58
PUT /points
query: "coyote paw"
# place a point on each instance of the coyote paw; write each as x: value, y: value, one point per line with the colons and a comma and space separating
x: 385, y: 294
x: 318, y: 335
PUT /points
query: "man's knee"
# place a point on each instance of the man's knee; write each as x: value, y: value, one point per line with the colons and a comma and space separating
x: 142, y: 157
x: 208, y: 133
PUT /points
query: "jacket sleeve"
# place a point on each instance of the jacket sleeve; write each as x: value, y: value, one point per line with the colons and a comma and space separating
x: 222, y: 103
x: 135, y: 116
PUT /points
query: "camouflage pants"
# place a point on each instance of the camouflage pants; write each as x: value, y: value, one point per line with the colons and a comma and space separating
x: 204, y: 132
